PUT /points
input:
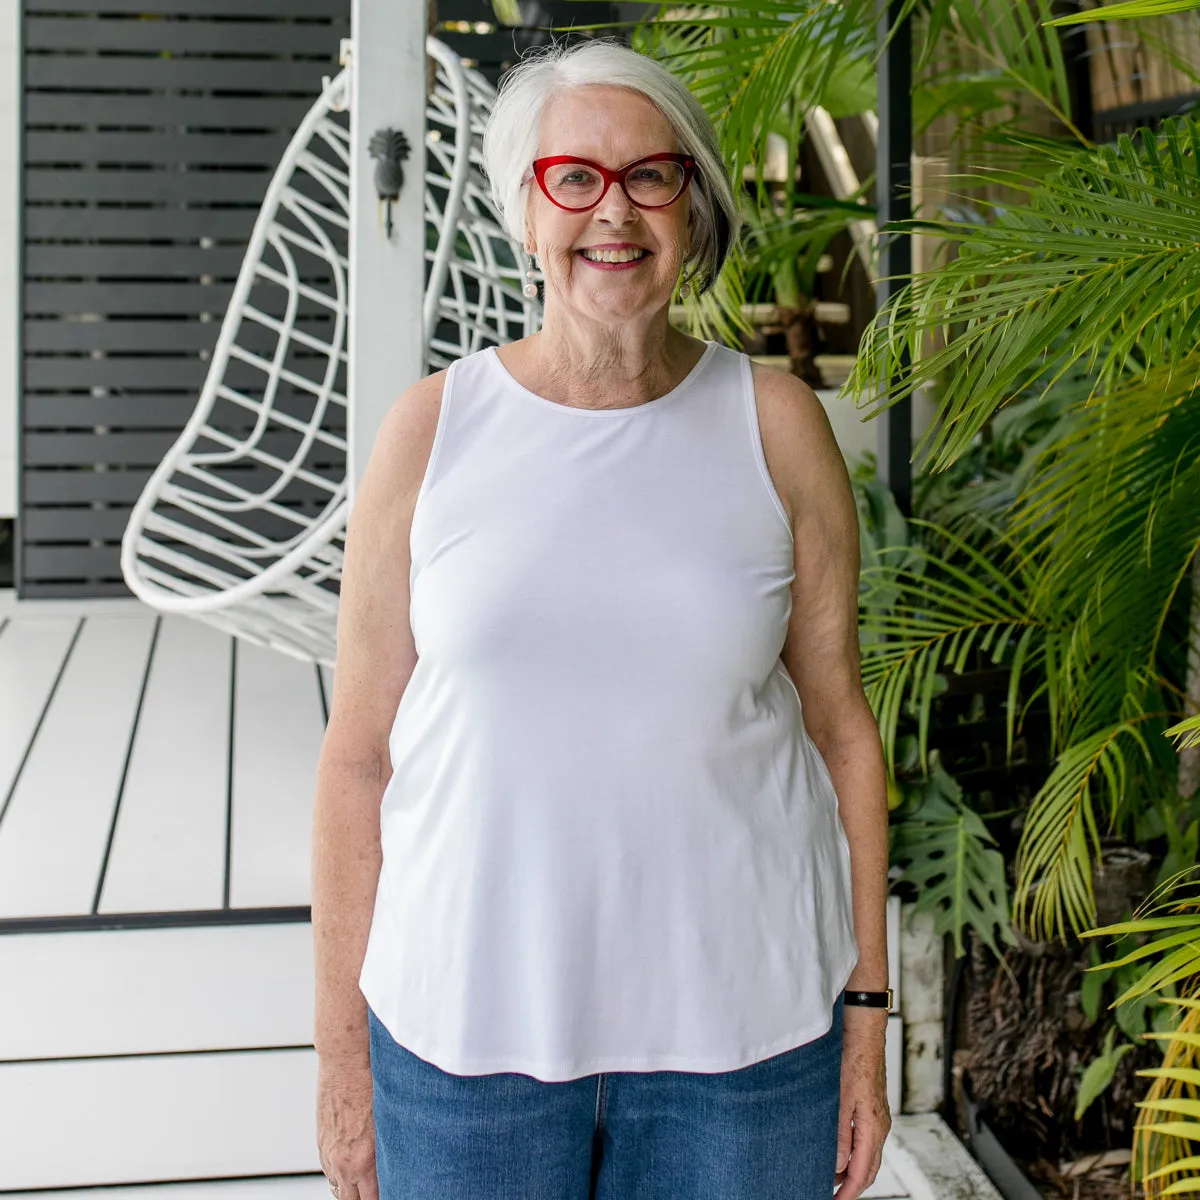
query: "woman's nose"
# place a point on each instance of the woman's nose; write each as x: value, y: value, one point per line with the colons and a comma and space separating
x: 616, y: 207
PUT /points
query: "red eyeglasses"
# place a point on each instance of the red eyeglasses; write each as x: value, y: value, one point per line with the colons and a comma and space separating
x: 578, y: 184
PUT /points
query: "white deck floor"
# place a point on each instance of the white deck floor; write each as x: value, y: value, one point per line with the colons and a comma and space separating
x: 150, y: 764
x: 151, y: 770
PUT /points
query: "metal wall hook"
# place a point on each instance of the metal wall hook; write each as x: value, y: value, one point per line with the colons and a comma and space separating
x: 390, y: 148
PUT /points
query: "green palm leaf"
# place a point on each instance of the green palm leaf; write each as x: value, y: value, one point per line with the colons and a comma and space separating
x: 924, y: 616
x: 1097, y: 268
x: 1128, y: 10
x: 1061, y: 835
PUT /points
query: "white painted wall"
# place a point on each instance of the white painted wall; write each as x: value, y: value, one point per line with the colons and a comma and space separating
x: 10, y: 282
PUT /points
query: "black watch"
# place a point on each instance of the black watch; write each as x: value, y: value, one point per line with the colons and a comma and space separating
x: 869, y: 999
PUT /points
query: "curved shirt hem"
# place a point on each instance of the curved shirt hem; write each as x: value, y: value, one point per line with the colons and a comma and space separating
x: 564, y: 1072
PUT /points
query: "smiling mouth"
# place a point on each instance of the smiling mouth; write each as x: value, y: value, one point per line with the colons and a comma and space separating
x: 614, y: 256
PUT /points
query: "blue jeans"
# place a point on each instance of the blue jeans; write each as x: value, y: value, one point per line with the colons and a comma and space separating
x: 767, y: 1131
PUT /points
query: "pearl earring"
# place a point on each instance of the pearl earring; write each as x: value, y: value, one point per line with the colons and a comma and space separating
x: 530, y: 289
x: 684, y: 290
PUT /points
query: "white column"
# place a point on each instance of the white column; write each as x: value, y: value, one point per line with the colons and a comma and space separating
x: 386, y: 278
x: 10, y: 250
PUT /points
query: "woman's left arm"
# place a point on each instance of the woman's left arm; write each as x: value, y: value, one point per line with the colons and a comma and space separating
x: 821, y: 653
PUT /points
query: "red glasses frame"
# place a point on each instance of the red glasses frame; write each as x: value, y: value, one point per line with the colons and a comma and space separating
x: 542, y: 165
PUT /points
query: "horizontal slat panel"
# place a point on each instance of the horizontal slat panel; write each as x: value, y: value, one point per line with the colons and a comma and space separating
x: 75, y: 524
x: 36, y: 589
x: 173, y: 374
x: 77, y: 487
x: 139, y: 224
x: 310, y: 9
x: 76, y: 562
x: 158, y: 187
x: 82, y: 108
x: 134, y: 299
x: 132, y: 149
x: 146, y: 449
x: 163, y: 412
x: 166, y: 298
x: 191, y: 36
x: 64, y: 525
x: 122, y: 335
x: 119, y: 73
x: 155, y: 411
x: 140, y: 261
x: 52, y: 488
x: 143, y: 447
x: 152, y: 335
x: 184, y: 374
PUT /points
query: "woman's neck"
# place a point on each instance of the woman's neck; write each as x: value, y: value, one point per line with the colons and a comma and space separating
x: 605, y: 366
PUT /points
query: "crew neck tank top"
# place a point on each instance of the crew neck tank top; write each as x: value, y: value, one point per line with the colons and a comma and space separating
x: 609, y: 843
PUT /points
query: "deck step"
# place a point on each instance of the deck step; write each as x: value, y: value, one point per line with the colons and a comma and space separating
x: 88, y: 1121
x: 289, y: 1187
x: 148, y: 991
x: 156, y: 1054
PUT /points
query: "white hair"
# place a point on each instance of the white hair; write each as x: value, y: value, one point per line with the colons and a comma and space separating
x: 510, y: 140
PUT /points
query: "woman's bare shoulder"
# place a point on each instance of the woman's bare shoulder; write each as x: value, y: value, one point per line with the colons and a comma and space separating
x: 405, y: 439
x: 801, y: 451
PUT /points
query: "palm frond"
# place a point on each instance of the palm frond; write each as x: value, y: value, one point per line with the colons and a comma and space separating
x: 1128, y: 10
x: 1097, y: 269
x: 1187, y: 732
x: 1020, y: 57
x: 1053, y: 894
x: 923, y: 617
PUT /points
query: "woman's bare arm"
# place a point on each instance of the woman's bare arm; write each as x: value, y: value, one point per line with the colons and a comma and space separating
x: 375, y: 658
x: 821, y: 653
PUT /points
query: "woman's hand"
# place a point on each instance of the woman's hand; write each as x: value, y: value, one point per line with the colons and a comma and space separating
x: 865, y: 1118
x: 346, y: 1129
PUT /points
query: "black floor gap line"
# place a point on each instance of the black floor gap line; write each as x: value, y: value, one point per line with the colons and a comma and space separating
x: 321, y: 693
x: 229, y: 771
x: 33, y: 737
x: 137, y: 720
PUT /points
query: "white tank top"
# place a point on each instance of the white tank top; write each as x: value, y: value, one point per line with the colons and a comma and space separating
x: 609, y: 844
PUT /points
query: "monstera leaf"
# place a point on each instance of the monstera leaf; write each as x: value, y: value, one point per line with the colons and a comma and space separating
x: 946, y: 852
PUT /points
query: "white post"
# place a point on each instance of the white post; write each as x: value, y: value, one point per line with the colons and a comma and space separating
x: 386, y: 279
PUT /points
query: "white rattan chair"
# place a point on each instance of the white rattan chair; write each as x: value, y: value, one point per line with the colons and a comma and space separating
x: 243, y: 523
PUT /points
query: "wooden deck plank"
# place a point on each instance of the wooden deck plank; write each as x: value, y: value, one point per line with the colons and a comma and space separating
x: 160, y: 1118
x: 147, y: 991
x: 31, y: 654
x: 168, y: 853
x: 278, y: 729
x: 55, y: 832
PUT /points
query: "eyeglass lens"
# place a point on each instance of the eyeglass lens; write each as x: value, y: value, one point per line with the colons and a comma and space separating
x: 576, y: 185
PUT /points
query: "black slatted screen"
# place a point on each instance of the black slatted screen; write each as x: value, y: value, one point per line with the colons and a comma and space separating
x: 151, y: 129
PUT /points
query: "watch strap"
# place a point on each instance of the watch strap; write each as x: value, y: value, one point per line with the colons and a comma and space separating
x: 869, y: 999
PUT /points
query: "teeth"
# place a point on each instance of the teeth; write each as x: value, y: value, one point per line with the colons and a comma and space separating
x: 613, y: 256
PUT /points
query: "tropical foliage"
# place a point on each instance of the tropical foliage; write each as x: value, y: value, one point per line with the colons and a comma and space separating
x: 1059, y: 493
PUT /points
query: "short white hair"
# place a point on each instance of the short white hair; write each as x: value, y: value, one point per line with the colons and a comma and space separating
x: 510, y: 140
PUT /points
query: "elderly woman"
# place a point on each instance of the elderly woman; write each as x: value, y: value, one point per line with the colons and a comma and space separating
x: 597, y: 912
